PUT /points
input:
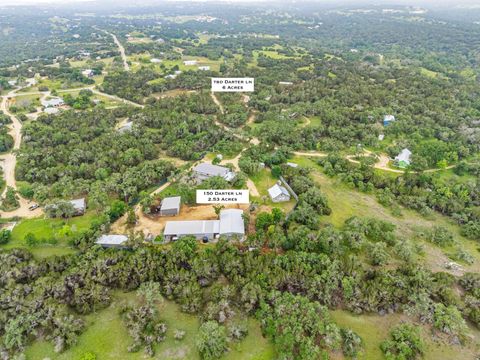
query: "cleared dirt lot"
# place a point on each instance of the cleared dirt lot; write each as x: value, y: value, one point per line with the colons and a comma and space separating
x: 154, y: 224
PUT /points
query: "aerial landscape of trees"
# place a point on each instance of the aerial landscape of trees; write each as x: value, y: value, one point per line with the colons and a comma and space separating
x: 362, y: 244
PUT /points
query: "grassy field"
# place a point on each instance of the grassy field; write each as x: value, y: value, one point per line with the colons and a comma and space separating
x: 46, y: 229
x: 107, y: 337
x: 373, y: 329
x: 346, y: 202
x: 139, y: 60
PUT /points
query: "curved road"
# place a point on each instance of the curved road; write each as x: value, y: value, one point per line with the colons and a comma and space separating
x: 9, y: 161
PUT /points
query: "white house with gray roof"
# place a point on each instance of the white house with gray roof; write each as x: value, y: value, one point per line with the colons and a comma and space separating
x: 278, y: 193
x: 170, y: 206
x: 204, y: 171
x: 230, y: 224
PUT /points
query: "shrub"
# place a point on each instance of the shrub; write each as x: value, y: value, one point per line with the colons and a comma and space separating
x: 449, y: 320
x: 5, y: 236
x: 88, y: 356
x: 378, y: 253
x: 31, y: 240
x: 351, y: 343
x: 440, y: 236
x: 212, y: 340
x: 405, y: 343
x: 178, y: 334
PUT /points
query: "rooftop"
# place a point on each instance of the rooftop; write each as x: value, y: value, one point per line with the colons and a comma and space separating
x: 192, y: 227
x: 78, y: 204
x: 212, y: 170
x: 57, y: 101
x: 404, y: 156
x: 231, y: 221
x: 111, y: 239
x: 171, y: 203
x: 277, y: 190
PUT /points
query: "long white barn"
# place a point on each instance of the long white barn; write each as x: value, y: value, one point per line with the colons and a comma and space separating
x: 231, y: 225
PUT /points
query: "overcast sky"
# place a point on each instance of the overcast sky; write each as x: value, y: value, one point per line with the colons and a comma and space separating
x: 407, y: 2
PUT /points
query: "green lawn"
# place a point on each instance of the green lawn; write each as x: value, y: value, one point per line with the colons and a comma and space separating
x: 347, y: 202
x: 46, y: 229
x: 373, y: 329
x: 263, y: 181
x: 107, y: 337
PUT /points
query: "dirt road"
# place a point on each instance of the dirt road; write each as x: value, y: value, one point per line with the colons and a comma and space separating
x: 9, y: 161
x: 121, y: 49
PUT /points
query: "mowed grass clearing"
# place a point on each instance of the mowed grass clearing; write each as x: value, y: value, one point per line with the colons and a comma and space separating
x: 107, y: 337
x: 44, y: 228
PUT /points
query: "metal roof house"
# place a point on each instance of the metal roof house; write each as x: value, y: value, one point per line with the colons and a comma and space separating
x: 170, y: 206
x: 278, y: 193
x: 112, y: 241
x: 190, y: 62
x: 402, y: 160
x: 54, y: 102
x: 231, y: 224
x: 126, y: 127
x: 204, y: 171
x: 79, y: 205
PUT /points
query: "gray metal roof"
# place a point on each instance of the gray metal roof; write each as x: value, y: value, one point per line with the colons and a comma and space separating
x: 231, y: 221
x: 192, y: 227
x: 126, y: 127
x: 404, y: 156
x: 78, y: 204
x: 170, y: 203
x: 52, y: 102
x: 111, y: 239
x: 211, y: 170
x: 277, y: 190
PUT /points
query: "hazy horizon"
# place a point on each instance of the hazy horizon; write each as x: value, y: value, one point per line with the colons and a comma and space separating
x: 453, y: 3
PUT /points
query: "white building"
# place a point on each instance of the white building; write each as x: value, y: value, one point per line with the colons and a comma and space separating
x: 170, y: 206
x: 109, y: 241
x: 155, y: 61
x: 126, y: 127
x: 190, y: 62
x: 51, y: 111
x: 402, y: 160
x: 204, y: 171
x: 278, y: 193
x: 88, y: 73
x: 53, y: 102
x: 231, y: 225
x: 79, y: 205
